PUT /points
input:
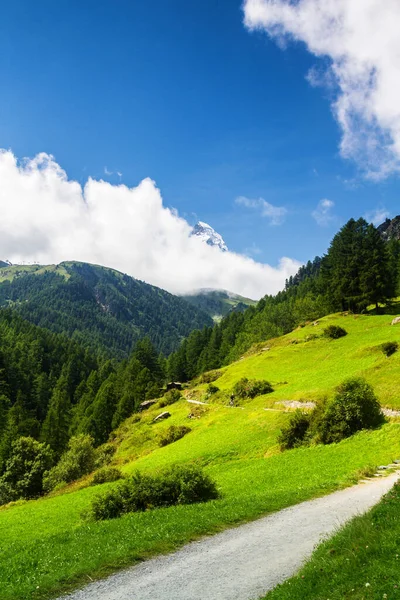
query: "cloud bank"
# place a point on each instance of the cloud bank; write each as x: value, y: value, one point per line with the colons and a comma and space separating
x: 360, y: 39
x: 47, y: 218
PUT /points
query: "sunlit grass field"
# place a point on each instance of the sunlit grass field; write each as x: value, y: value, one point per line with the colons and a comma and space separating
x: 45, y: 545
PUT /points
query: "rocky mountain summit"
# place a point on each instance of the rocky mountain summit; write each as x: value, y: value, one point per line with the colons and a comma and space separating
x: 209, y: 236
x: 390, y: 229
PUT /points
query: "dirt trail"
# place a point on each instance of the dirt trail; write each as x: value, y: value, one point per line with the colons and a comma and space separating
x: 241, y: 563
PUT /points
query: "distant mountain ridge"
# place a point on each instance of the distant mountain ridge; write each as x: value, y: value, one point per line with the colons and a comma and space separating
x: 390, y: 229
x: 219, y: 303
x: 103, y: 309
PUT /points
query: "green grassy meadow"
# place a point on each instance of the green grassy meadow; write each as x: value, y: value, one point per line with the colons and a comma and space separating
x: 45, y: 545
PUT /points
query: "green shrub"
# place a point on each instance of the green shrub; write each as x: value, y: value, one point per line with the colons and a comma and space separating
x: 311, y: 337
x: 176, y: 485
x: 105, y: 475
x: 24, y: 470
x: 104, y: 455
x: 250, y: 388
x: 210, y: 376
x: 353, y: 408
x: 78, y: 460
x: 334, y: 332
x: 212, y: 389
x: 173, y: 433
x: 390, y: 348
x: 170, y: 398
x: 294, y: 434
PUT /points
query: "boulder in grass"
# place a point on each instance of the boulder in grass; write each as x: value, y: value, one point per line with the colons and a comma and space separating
x: 396, y: 321
x: 162, y: 416
x: 147, y: 404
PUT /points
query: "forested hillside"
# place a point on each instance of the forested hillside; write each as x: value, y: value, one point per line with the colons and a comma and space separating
x: 52, y: 388
x: 360, y: 269
x: 102, y: 309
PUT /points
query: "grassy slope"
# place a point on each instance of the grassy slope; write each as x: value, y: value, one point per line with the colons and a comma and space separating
x: 10, y: 272
x: 313, y: 368
x: 45, y: 543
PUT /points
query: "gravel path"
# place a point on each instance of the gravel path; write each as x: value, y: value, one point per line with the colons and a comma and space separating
x: 241, y: 563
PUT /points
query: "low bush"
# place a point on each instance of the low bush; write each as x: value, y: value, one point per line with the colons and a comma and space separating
x: 311, y: 337
x: 104, y: 455
x: 105, y: 475
x: 212, y: 389
x: 250, y: 388
x: 173, y: 433
x: 176, y: 485
x: 294, y: 434
x: 390, y: 348
x: 170, y: 398
x: 210, y: 376
x: 197, y: 411
x: 353, y: 408
x: 24, y: 470
x: 78, y: 460
x: 334, y: 332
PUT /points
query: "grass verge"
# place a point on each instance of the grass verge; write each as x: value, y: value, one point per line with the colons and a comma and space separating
x: 362, y: 561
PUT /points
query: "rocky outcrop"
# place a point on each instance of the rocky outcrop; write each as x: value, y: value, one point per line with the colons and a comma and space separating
x: 390, y: 229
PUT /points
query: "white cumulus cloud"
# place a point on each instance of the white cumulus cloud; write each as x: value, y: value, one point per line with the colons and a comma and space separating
x: 361, y: 40
x: 323, y: 213
x: 275, y: 214
x: 48, y: 218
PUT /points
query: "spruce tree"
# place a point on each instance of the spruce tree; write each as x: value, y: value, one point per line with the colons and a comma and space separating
x: 55, y: 429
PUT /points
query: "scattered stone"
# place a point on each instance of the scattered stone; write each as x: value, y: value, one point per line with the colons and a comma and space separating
x: 316, y: 323
x: 396, y: 462
x: 383, y: 468
x: 296, y: 404
x: 145, y: 405
x: 162, y: 416
x: 396, y: 321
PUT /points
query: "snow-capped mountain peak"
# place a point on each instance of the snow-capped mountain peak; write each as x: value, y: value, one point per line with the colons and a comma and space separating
x: 208, y: 235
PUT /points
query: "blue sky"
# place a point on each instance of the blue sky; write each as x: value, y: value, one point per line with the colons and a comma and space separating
x: 182, y: 92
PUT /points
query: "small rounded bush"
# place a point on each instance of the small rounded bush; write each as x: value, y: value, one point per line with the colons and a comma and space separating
x: 170, y: 398
x: 24, y: 470
x: 353, y: 408
x: 176, y: 485
x: 294, y: 433
x: 212, y: 389
x: 78, y: 460
x: 390, y: 348
x: 210, y: 376
x: 104, y: 455
x: 173, y: 433
x: 334, y: 332
x: 105, y: 475
x: 250, y: 388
